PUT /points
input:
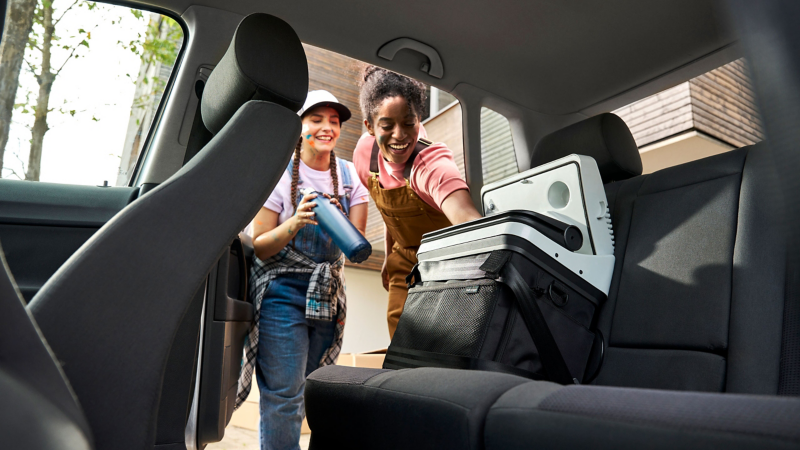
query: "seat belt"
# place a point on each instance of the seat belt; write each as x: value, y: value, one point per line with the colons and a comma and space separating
x: 199, y: 135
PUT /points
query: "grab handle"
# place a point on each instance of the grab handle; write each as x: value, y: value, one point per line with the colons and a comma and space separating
x: 434, y: 68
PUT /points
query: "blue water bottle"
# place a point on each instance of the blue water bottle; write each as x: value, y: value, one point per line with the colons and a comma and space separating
x: 344, y: 234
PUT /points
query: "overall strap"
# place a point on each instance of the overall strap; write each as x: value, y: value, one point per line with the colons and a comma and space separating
x: 347, y: 181
x: 373, y: 160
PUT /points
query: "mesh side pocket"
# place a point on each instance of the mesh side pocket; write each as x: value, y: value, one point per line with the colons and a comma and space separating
x: 450, y: 318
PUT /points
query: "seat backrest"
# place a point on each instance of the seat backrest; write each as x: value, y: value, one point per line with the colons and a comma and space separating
x: 39, y: 409
x: 696, y: 302
x: 111, y: 312
x: 697, y: 297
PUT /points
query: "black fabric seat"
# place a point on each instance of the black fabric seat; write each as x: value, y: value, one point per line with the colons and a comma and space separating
x: 112, y: 311
x: 696, y: 304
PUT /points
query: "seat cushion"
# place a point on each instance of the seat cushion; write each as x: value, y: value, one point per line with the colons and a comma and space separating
x: 403, y: 409
x: 601, y: 417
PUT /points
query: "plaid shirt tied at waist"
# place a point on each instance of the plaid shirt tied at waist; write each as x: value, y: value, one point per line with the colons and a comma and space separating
x: 325, y: 300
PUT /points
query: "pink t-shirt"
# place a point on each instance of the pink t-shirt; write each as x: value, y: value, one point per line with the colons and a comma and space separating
x: 280, y: 200
x: 434, y: 174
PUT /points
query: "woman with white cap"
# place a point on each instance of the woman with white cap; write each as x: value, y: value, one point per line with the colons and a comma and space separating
x: 297, y: 277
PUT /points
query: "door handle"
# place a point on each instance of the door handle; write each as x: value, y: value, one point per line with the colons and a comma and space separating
x: 434, y: 65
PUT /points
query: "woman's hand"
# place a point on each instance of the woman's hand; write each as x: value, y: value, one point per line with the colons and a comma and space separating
x: 304, y: 214
x: 385, y: 275
x: 335, y: 201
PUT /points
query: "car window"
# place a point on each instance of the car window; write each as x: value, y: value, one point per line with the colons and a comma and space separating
x: 707, y: 115
x: 88, y: 86
x: 497, y: 147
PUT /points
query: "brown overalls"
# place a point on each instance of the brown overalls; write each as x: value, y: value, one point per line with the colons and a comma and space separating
x: 407, y: 218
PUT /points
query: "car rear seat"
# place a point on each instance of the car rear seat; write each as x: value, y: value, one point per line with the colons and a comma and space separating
x: 696, y: 304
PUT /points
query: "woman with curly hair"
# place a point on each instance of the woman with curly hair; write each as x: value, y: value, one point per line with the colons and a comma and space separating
x: 414, y: 182
x: 297, y: 281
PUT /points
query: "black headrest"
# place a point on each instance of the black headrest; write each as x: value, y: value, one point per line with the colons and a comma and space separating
x: 265, y: 61
x: 604, y: 137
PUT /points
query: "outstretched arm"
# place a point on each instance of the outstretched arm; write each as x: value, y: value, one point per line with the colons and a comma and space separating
x: 458, y: 207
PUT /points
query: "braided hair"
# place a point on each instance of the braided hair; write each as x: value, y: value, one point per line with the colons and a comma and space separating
x: 296, y: 174
x: 378, y: 84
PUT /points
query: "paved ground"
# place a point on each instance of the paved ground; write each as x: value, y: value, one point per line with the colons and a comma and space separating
x: 243, y: 439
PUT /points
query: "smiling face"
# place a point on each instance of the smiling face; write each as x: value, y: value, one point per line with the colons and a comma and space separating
x: 396, y: 128
x: 321, y: 129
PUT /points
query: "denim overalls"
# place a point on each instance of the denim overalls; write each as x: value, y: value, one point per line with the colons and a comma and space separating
x: 290, y: 346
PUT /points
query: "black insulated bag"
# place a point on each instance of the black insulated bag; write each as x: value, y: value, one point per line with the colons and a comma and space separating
x: 497, y: 302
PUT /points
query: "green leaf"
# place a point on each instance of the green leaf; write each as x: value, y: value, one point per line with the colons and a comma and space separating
x: 84, y: 43
x: 72, y: 112
x: 81, y: 31
x: 136, y: 13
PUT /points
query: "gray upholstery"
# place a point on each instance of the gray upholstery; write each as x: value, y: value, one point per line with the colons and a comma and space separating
x: 613, y: 418
x: 604, y: 137
x: 413, y: 408
x: 262, y: 63
x: 696, y: 301
x: 38, y: 408
x: 112, y: 311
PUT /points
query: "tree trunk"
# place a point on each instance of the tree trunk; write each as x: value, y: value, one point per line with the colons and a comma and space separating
x: 45, y: 79
x: 19, y: 20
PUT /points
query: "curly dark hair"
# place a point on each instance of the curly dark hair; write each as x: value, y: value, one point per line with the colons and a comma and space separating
x: 378, y: 84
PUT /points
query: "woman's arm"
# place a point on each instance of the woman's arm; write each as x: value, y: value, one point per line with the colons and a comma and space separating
x: 358, y: 217
x: 270, y: 238
x: 458, y: 207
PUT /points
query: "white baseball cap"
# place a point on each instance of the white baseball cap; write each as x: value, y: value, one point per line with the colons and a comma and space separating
x: 324, y: 98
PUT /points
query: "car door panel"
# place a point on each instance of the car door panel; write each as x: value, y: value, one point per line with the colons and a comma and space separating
x: 42, y: 224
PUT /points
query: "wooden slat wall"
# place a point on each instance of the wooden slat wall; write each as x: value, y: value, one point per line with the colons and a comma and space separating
x: 338, y: 75
x: 659, y: 116
x: 723, y: 105
x: 375, y: 261
x: 446, y: 127
x: 498, y: 159
x: 719, y: 103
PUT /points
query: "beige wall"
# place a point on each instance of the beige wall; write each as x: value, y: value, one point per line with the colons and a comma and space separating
x: 680, y: 149
x: 366, y: 327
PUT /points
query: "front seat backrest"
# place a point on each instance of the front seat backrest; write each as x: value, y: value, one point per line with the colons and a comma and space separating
x: 38, y: 409
x: 111, y: 311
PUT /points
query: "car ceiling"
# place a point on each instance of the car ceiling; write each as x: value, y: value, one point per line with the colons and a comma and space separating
x: 554, y: 57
